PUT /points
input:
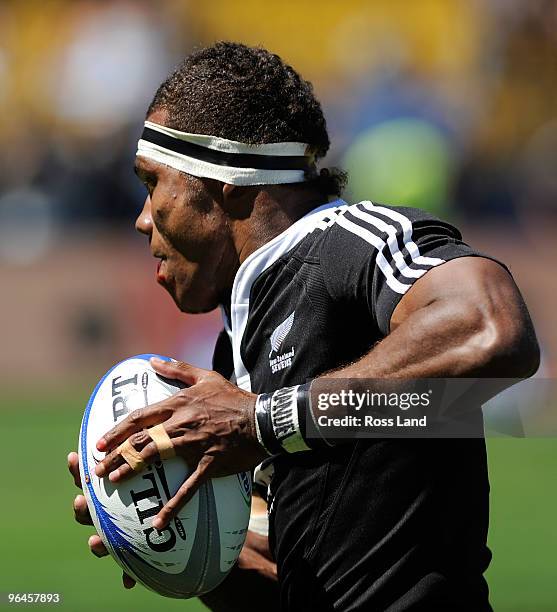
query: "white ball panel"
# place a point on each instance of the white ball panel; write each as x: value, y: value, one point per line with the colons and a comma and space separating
x: 202, y: 544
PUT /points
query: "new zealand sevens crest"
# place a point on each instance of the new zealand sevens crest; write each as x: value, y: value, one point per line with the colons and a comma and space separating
x: 283, y: 360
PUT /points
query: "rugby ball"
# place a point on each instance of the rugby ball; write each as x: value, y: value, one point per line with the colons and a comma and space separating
x: 201, y: 545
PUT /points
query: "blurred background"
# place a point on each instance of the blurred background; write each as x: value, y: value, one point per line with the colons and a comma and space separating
x: 441, y: 104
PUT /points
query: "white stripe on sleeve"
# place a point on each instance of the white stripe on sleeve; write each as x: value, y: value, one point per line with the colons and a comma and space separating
x: 406, y: 225
x: 379, y: 244
x: 391, y: 241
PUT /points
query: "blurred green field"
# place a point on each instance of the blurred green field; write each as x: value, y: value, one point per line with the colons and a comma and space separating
x: 43, y: 550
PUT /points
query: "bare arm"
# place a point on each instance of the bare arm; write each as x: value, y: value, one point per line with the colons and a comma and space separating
x: 465, y: 318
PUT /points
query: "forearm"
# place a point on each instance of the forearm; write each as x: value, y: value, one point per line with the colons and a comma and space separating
x: 490, y: 340
x: 442, y: 340
x: 477, y: 326
x: 435, y: 341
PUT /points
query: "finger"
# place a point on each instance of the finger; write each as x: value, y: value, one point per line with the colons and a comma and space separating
x: 258, y: 543
x: 73, y: 466
x: 251, y: 560
x: 80, y: 511
x: 114, y: 459
x: 127, y: 581
x: 188, y: 489
x: 136, y: 421
x: 149, y: 454
x: 97, y: 546
x: 178, y: 370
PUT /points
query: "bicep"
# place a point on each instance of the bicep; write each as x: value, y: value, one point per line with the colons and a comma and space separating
x: 476, y: 284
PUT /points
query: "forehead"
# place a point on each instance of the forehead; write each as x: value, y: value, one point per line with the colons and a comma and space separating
x: 158, y: 116
x: 143, y: 164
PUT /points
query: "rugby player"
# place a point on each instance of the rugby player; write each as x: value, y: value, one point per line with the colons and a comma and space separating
x: 239, y: 216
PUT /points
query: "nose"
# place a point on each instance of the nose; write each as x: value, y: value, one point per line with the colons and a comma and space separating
x: 144, y: 221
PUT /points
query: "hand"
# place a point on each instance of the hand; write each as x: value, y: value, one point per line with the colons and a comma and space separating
x: 211, y: 424
x: 256, y: 556
x: 82, y: 516
x: 255, y: 573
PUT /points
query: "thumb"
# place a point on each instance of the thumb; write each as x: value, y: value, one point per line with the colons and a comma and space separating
x: 177, y: 370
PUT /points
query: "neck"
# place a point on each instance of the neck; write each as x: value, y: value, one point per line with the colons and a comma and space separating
x: 274, y: 211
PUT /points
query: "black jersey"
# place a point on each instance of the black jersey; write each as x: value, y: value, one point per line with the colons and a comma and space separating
x: 373, y: 524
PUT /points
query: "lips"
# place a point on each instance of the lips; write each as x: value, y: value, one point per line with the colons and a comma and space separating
x: 161, y: 269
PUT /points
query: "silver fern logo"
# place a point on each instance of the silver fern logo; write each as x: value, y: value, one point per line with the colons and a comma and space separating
x: 284, y: 360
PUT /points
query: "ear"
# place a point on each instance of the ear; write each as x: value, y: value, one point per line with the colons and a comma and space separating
x: 238, y: 200
x: 227, y: 191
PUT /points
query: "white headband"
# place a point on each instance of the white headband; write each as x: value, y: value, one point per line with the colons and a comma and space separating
x: 228, y: 161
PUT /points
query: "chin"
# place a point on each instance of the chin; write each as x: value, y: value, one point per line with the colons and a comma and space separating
x: 196, y: 306
x: 191, y: 309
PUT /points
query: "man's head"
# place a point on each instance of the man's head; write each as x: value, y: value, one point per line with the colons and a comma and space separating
x: 237, y: 93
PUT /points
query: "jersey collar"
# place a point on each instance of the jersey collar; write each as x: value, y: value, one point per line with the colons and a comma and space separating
x: 252, y: 267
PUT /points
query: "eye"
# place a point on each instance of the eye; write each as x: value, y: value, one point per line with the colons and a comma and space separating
x: 150, y: 184
x: 148, y: 179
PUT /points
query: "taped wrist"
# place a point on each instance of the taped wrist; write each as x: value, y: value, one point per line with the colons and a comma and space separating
x: 281, y: 421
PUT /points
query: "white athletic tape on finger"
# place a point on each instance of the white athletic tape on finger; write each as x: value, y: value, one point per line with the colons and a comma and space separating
x: 132, y: 457
x: 162, y: 441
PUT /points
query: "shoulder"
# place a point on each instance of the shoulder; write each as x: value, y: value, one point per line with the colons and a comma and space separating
x: 377, y: 223
x: 341, y: 228
x: 358, y: 233
x: 352, y: 246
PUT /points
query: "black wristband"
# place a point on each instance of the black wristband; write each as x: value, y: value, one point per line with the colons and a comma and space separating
x: 264, y: 426
x: 283, y: 421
